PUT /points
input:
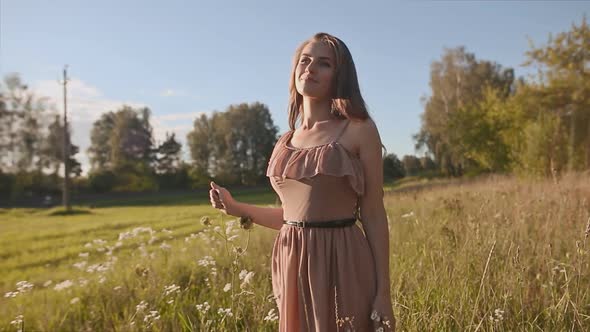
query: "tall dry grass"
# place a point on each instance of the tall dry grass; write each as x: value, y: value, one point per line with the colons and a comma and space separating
x: 493, y: 254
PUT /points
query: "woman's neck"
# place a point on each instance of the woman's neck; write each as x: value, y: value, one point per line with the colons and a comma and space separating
x: 315, y: 110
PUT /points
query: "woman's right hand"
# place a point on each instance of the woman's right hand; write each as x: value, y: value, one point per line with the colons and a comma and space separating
x: 221, y: 199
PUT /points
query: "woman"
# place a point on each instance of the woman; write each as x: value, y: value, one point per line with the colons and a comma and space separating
x: 328, y: 274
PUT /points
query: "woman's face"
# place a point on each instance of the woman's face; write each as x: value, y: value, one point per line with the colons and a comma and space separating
x: 315, y: 69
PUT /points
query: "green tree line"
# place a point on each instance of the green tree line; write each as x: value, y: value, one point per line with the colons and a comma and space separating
x: 477, y: 118
x: 480, y: 118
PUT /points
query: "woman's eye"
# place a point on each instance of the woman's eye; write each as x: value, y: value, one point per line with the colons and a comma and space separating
x: 325, y: 64
x: 303, y: 60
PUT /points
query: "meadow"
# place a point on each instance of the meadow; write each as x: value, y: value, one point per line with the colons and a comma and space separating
x: 493, y: 254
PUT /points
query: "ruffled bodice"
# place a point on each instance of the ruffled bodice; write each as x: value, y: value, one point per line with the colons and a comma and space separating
x: 315, y: 183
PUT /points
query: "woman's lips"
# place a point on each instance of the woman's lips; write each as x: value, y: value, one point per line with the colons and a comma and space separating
x: 307, y: 78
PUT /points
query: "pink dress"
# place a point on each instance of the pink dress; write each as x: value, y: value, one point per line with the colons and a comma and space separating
x: 323, y: 279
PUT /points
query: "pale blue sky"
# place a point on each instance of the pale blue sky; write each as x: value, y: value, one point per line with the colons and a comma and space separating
x: 184, y: 57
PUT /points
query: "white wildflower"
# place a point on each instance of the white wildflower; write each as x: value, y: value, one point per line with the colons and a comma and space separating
x: 47, y: 283
x: 11, y: 294
x: 203, y: 307
x: 271, y: 316
x: 75, y: 300
x: 206, y: 261
x: 150, y: 318
x: 142, y: 306
x: 63, y: 285
x: 225, y: 312
x: 83, y: 254
x: 227, y: 287
x: 23, y: 286
x: 408, y: 215
x: 165, y: 246
x: 171, y: 289
x: 80, y: 265
x: 18, y: 320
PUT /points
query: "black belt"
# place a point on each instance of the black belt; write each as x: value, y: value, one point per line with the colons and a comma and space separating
x: 328, y: 223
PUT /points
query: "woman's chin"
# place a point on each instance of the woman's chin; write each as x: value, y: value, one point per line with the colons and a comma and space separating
x: 311, y: 93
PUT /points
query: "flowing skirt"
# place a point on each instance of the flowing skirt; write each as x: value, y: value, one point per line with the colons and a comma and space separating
x: 323, y: 279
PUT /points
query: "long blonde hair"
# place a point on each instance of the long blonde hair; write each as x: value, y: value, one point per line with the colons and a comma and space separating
x: 347, y: 101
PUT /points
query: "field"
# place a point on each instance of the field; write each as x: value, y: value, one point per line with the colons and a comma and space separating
x: 495, y: 254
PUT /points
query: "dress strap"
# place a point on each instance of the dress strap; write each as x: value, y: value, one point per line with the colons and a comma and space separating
x: 342, y: 131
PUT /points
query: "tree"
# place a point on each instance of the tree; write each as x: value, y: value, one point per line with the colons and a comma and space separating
x: 233, y: 146
x: 411, y: 165
x: 457, y: 82
x: 122, y: 137
x: 52, y: 149
x: 562, y: 89
x: 393, y: 168
x: 122, y: 150
x: 22, y: 120
x: 168, y: 156
x: 100, y: 150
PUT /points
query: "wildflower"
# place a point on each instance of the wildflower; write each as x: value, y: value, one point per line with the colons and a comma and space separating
x: 408, y: 215
x: 141, y: 271
x: 75, y: 300
x: 204, y: 307
x: 11, y: 294
x: 171, y: 289
x: 47, y: 283
x: 80, y: 265
x: 116, y: 288
x: 271, y: 316
x: 23, y: 286
x: 18, y: 320
x: 141, y: 306
x: 206, y: 261
x: 497, y: 316
x: 246, y: 222
x: 164, y: 246
x: 205, y: 221
x: 63, y: 285
x: 83, y: 254
x: 150, y: 318
x: 246, y: 277
x: 227, y: 287
x: 225, y: 312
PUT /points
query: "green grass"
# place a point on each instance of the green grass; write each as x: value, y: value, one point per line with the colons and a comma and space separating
x: 498, y: 254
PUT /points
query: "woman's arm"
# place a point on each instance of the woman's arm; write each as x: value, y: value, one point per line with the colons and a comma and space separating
x: 373, y: 215
x: 265, y: 216
x: 222, y: 199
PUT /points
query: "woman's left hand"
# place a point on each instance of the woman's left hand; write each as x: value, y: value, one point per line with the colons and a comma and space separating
x: 382, y: 313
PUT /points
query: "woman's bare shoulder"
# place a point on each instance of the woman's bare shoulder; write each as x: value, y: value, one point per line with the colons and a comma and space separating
x: 364, y: 128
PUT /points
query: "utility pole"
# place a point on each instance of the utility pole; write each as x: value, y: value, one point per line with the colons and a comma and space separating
x: 66, y: 149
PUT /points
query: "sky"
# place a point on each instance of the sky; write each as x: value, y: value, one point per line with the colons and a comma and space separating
x: 184, y: 58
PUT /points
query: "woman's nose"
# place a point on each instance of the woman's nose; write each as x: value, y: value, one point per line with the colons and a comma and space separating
x: 310, y: 67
